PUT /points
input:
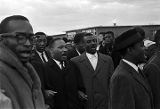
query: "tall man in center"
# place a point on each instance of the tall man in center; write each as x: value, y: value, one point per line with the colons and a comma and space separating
x: 96, y: 70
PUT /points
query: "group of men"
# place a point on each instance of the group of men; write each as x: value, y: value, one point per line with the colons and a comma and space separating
x: 37, y: 72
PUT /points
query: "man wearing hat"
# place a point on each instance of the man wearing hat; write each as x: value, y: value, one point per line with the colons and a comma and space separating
x: 128, y: 86
x: 152, y: 72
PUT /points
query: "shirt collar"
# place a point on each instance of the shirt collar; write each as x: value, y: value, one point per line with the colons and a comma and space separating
x: 90, y: 56
x: 57, y: 62
x: 131, y: 64
x: 39, y: 53
x: 78, y: 52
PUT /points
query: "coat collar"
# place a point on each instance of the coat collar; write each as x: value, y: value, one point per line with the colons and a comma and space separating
x: 139, y: 78
x: 26, y: 71
x: 84, y: 60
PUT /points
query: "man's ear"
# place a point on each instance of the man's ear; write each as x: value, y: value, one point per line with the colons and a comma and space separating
x: 130, y: 50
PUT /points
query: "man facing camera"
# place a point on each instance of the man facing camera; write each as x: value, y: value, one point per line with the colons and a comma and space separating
x: 96, y: 70
x: 18, y: 79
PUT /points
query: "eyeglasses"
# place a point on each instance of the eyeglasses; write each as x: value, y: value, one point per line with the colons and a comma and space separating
x: 21, y: 37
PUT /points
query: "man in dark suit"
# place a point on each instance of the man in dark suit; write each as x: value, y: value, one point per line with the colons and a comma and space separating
x: 78, y: 46
x: 128, y: 86
x: 96, y: 70
x: 63, y: 77
x: 152, y: 72
x: 39, y: 58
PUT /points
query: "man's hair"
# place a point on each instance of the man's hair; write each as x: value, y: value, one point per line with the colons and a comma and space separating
x: 4, y: 22
x: 49, y: 38
x: 52, y: 41
x: 40, y: 33
x: 110, y: 32
x: 79, y: 37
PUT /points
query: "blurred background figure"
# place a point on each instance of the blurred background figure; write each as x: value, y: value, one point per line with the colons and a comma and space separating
x: 78, y: 48
x: 150, y: 48
x: 152, y: 72
x: 107, y: 44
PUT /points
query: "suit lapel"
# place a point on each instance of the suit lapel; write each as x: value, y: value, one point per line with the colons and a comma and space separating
x: 100, y: 63
x: 85, y: 61
x: 136, y: 76
x: 54, y: 65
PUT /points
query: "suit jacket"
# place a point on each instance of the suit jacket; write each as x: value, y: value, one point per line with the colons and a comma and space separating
x: 96, y: 82
x: 152, y: 72
x: 129, y: 89
x: 64, y: 82
x: 38, y: 65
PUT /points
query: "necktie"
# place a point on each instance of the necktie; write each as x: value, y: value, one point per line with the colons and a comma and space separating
x: 43, y: 59
x: 141, y: 73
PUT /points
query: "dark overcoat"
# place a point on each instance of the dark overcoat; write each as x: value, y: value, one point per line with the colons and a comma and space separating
x: 129, y: 89
x: 66, y: 83
x: 152, y: 72
x: 96, y: 81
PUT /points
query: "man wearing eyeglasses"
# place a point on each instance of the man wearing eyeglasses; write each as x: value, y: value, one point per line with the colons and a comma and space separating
x: 18, y: 79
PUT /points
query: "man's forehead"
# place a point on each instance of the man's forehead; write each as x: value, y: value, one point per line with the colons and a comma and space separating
x: 19, y: 26
x: 59, y: 42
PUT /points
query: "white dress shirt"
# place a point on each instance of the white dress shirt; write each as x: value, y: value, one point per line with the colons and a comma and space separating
x: 93, y: 58
x: 45, y: 57
x: 58, y: 63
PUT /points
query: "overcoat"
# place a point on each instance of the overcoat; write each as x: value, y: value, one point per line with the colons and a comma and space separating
x: 20, y: 82
x: 129, y: 89
x: 96, y: 81
x: 152, y: 72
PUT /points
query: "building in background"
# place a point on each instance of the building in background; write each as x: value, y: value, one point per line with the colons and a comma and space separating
x: 150, y: 30
x: 59, y: 35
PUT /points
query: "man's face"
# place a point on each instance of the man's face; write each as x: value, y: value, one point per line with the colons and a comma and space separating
x: 20, y: 42
x: 100, y: 38
x: 58, y: 50
x: 90, y: 44
x: 139, y: 53
x: 41, y: 43
x: 108, y: 38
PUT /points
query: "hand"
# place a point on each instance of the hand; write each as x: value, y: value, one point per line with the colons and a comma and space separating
x: 82, y: 95
x: 50, y: 93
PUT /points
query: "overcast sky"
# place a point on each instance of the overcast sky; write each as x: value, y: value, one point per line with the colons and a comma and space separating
x: 58, y: 16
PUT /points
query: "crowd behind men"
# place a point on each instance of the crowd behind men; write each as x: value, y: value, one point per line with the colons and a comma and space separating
x: 41, y: 72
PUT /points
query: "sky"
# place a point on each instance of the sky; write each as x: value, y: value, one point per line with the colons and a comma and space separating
x: 57, y: 16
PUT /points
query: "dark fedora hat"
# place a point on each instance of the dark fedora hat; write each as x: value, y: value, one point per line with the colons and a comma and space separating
x: 128, y: 38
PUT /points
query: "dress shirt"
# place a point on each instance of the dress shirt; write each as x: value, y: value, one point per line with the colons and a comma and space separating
x: 58, y: 63
x: 93, y: 58
x: 78, y: 52
x: 131, y: 64
x: 44, y: 54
